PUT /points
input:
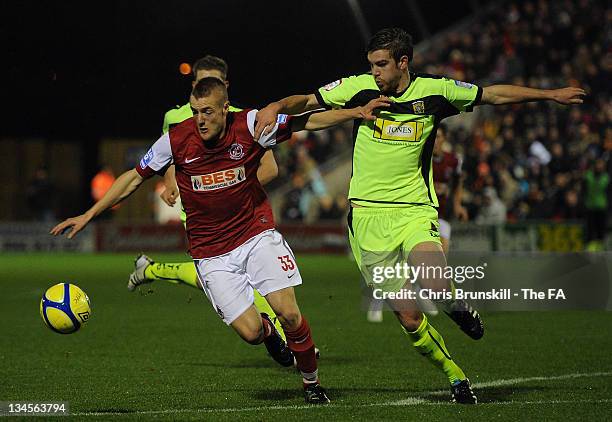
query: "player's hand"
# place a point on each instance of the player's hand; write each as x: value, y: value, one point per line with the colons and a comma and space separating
x: 169, y: 195
x: 75, y: 223
x: 461, y: 213
x: 266, y: 119
x: 367, y: 111
x: 569, y: 95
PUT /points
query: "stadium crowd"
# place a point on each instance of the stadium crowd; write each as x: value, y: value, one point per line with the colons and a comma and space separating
x: 529, y: 161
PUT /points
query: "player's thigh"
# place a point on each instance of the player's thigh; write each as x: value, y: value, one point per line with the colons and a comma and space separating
x: 226, y: 287
x: 271, y: 264
x: 375, y: 247
x: 417, y: 225
x: 429, y: 256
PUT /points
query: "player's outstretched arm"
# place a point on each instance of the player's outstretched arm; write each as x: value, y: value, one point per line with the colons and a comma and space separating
x: 512, y: 94
x: 171, y: 191
x: 268, y: 169
x: 325, y: 119
x: 123, y: 186
x: 294, y: 104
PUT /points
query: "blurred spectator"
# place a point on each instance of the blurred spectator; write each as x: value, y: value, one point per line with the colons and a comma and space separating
x: 493, y: 210
x: 596, y: 182
x: 292, y: 210
x: 571, y: 209
x: 40, y: 196
x: 332, y: 209
x: 100, y: 184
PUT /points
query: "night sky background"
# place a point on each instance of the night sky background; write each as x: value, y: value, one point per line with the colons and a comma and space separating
x: 78, y: 71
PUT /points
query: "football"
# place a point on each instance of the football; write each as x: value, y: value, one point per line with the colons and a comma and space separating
x: 65, y: 308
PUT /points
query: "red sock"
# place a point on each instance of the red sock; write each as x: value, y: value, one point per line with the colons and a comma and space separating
x: 301, y: 344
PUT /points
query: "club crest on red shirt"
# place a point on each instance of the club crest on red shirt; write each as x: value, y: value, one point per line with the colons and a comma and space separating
x: 236, y: 152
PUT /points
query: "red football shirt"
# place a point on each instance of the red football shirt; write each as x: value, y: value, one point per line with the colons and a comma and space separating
x: 224, y: 202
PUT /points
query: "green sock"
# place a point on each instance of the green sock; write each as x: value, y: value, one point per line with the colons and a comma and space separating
x: 182, y: 272
x: 262, y: 305
x: 430, y: 344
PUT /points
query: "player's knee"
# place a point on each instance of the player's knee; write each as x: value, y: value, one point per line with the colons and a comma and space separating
x: 290, y: 319
x: 410, y: 320
x: 253, y: 335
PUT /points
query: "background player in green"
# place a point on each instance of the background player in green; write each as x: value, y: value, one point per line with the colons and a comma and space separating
x: 146, y: 270
x: 393, y: 216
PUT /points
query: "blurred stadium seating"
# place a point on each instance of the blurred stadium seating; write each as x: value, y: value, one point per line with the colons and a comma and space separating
x: 533, y: 158
x: 534, y: 155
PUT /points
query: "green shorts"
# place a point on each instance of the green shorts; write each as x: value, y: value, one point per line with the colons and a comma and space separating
x: 383, y: 237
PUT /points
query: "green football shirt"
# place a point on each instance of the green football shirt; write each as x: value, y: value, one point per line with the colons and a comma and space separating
x: 392, y: 155
x: 180, y: 114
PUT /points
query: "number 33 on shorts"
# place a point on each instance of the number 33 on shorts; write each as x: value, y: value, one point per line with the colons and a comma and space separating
x: 286, y: 263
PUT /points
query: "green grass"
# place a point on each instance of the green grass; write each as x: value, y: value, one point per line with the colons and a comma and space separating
x: 166, y: 354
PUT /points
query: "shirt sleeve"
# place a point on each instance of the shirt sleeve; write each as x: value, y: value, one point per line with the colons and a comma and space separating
x: 462, y: 95
x: 157, y: 158
x: 336, y: 94
x: 280, y: 133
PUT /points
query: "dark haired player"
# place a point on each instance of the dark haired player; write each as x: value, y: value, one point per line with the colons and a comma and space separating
x: 393, y: 218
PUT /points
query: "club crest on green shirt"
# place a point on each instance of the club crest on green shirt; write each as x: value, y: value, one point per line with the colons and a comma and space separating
x: 418, y: 107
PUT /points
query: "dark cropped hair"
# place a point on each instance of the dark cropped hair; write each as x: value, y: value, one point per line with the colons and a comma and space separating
x: 396, y: 40
x: 205, y: 87
x: 209, y: 62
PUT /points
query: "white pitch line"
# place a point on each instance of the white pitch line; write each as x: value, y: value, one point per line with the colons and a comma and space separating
x: 514, y: 381
x: 409, y: 401
x: 406, y: 402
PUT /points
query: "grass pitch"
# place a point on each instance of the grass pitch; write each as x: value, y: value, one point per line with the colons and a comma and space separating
x: 162, y: 353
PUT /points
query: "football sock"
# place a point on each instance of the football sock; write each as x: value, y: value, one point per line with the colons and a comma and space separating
x: 182, y: 272
x: 263, y: 306
x: 301, y: 344
x: 430, y: 344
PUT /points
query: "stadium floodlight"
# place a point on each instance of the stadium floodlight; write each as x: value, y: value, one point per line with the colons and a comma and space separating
x: 364, y: 28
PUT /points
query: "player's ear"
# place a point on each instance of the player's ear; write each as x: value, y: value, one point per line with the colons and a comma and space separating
x: 226, y: 82
x: 403, y: 63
